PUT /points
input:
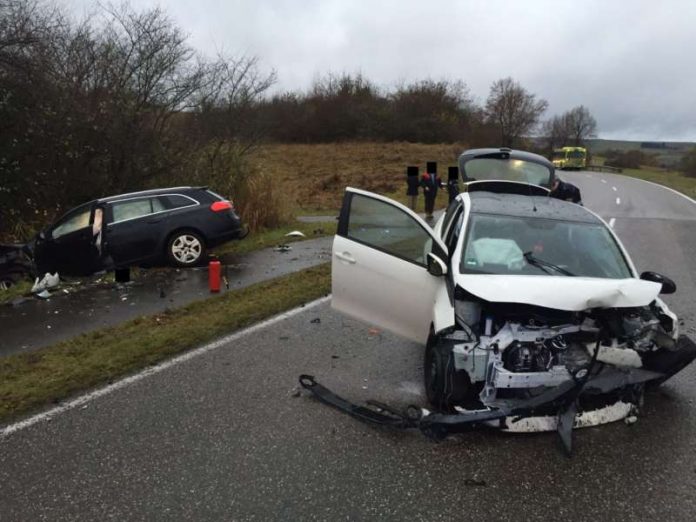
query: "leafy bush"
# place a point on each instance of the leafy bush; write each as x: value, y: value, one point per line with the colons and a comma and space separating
x: 629, y: 159
x: 688, y: 163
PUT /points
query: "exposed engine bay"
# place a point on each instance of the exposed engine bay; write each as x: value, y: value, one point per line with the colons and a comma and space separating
x: 511, y: 351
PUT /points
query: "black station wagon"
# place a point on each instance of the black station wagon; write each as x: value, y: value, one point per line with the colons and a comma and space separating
x: 174, y: 225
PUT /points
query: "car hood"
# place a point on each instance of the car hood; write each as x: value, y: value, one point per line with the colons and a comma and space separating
x: 572, y: 294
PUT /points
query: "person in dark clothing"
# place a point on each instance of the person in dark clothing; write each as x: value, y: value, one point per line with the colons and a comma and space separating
x: 430, y: 183
x: 452, y: 183
x: 565, y: 191
x: 412, y: 187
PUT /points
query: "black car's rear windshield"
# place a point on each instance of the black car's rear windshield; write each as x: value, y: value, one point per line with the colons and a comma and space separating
x: 497, y: 244
x: 497, y: 169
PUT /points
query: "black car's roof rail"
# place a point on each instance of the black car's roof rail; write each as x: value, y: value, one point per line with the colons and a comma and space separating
x: 143, y: 193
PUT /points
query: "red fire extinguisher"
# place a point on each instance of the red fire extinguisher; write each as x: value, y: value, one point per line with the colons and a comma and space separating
x: 214, y: 273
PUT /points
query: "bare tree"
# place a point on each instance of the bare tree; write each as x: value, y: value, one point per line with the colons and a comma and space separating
x: 581, y: 124
x: 431, y: 111
x: 513, y: 109
x: 556, y: 132
x: 105, y: 105
x: 225, y: 122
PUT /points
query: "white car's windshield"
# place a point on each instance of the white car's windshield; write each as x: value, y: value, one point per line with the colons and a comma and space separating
x: 496, y: 244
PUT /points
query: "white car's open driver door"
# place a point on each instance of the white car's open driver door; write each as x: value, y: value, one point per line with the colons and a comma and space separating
x: 379, y: 267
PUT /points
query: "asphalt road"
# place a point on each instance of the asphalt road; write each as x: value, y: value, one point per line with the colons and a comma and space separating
x: 221, y: 436
x: 35, y: 323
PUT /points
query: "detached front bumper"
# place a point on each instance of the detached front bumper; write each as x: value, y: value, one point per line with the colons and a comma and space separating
x: 563, y: 399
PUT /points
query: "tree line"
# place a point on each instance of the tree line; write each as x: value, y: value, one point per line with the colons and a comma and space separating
x: 351, y: 107
x: 120, y: 101
x: 113, y: 103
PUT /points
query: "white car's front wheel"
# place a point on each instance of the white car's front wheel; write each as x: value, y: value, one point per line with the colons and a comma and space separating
x: 444, y: 386
x: 185, y: 249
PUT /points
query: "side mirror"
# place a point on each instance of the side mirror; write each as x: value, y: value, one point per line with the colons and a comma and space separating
x: 436, y: 266
x: 668, y: 286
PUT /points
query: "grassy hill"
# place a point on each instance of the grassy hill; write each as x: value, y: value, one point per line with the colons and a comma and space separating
x: 313, y: 176
x: 667, y: 153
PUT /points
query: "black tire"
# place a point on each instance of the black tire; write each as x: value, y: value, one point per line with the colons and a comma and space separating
x: 444, y: 386
x: 186, y: 248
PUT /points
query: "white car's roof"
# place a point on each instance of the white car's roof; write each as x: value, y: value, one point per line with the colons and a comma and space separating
x: 526, y: 206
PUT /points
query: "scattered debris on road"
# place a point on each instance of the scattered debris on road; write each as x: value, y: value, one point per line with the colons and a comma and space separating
x: 48, y: 281
x: 283, y: 248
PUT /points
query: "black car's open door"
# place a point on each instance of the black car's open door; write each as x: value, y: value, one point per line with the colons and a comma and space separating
x: 70, y: 246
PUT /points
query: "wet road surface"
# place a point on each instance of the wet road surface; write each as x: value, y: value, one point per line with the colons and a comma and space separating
x: 35, y: 323
x: 222, y: 437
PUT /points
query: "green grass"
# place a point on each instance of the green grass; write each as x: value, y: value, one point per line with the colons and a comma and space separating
x: 17, y: 290
x: 669, y: 178
x: 269, y: 238
x: 31, y: 380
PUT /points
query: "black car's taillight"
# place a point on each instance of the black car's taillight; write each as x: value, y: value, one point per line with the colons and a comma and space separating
x: 220, y: 206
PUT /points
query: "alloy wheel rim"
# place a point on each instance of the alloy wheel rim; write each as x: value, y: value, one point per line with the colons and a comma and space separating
x: 186, y: 249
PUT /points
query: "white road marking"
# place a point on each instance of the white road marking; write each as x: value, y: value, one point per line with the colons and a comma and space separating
x: 613, y: 188
x: 661, y: 186
x: 604, y: 181
x: 82, y: 400
x: 618, y: 201
x: 611, y: 222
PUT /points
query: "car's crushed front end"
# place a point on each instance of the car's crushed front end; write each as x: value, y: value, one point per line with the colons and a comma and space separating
x: 512, y: 352
x: 524, y: 367
x: 534, y: 369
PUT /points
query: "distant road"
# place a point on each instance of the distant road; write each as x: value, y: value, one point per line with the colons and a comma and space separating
x: 221, y: 437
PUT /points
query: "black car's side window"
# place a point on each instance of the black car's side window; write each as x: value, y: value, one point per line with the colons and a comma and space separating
x: 172, y: 201
x: 72, y: 223
x: 135, y: 208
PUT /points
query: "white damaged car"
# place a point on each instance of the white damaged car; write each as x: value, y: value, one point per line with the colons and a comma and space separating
x: 532, y: 314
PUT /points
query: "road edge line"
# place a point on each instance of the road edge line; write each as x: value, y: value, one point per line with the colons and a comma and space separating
x: 661, y: 186
x: 81, y: 400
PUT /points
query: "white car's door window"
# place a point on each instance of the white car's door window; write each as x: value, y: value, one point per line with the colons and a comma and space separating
x: 387, y: 228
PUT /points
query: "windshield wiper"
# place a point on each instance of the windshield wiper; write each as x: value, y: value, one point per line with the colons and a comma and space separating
x: 540, y: 263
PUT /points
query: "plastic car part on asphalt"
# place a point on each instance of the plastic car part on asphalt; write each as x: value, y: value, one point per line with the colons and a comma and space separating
x: 46, y: 283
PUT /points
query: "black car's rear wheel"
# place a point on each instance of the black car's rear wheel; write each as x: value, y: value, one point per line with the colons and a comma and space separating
x: 445, y: 387
x: 185, y: 248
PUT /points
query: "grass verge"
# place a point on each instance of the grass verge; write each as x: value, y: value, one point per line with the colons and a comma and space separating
x: 669, y: 178
x: 16, y: 290
x: 269, y: 238
x: 31, y: 380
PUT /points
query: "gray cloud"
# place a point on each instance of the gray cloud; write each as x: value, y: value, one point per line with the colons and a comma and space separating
x: 628, y: 61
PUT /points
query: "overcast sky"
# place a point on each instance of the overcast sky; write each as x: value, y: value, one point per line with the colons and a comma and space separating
x: 629, y: 62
